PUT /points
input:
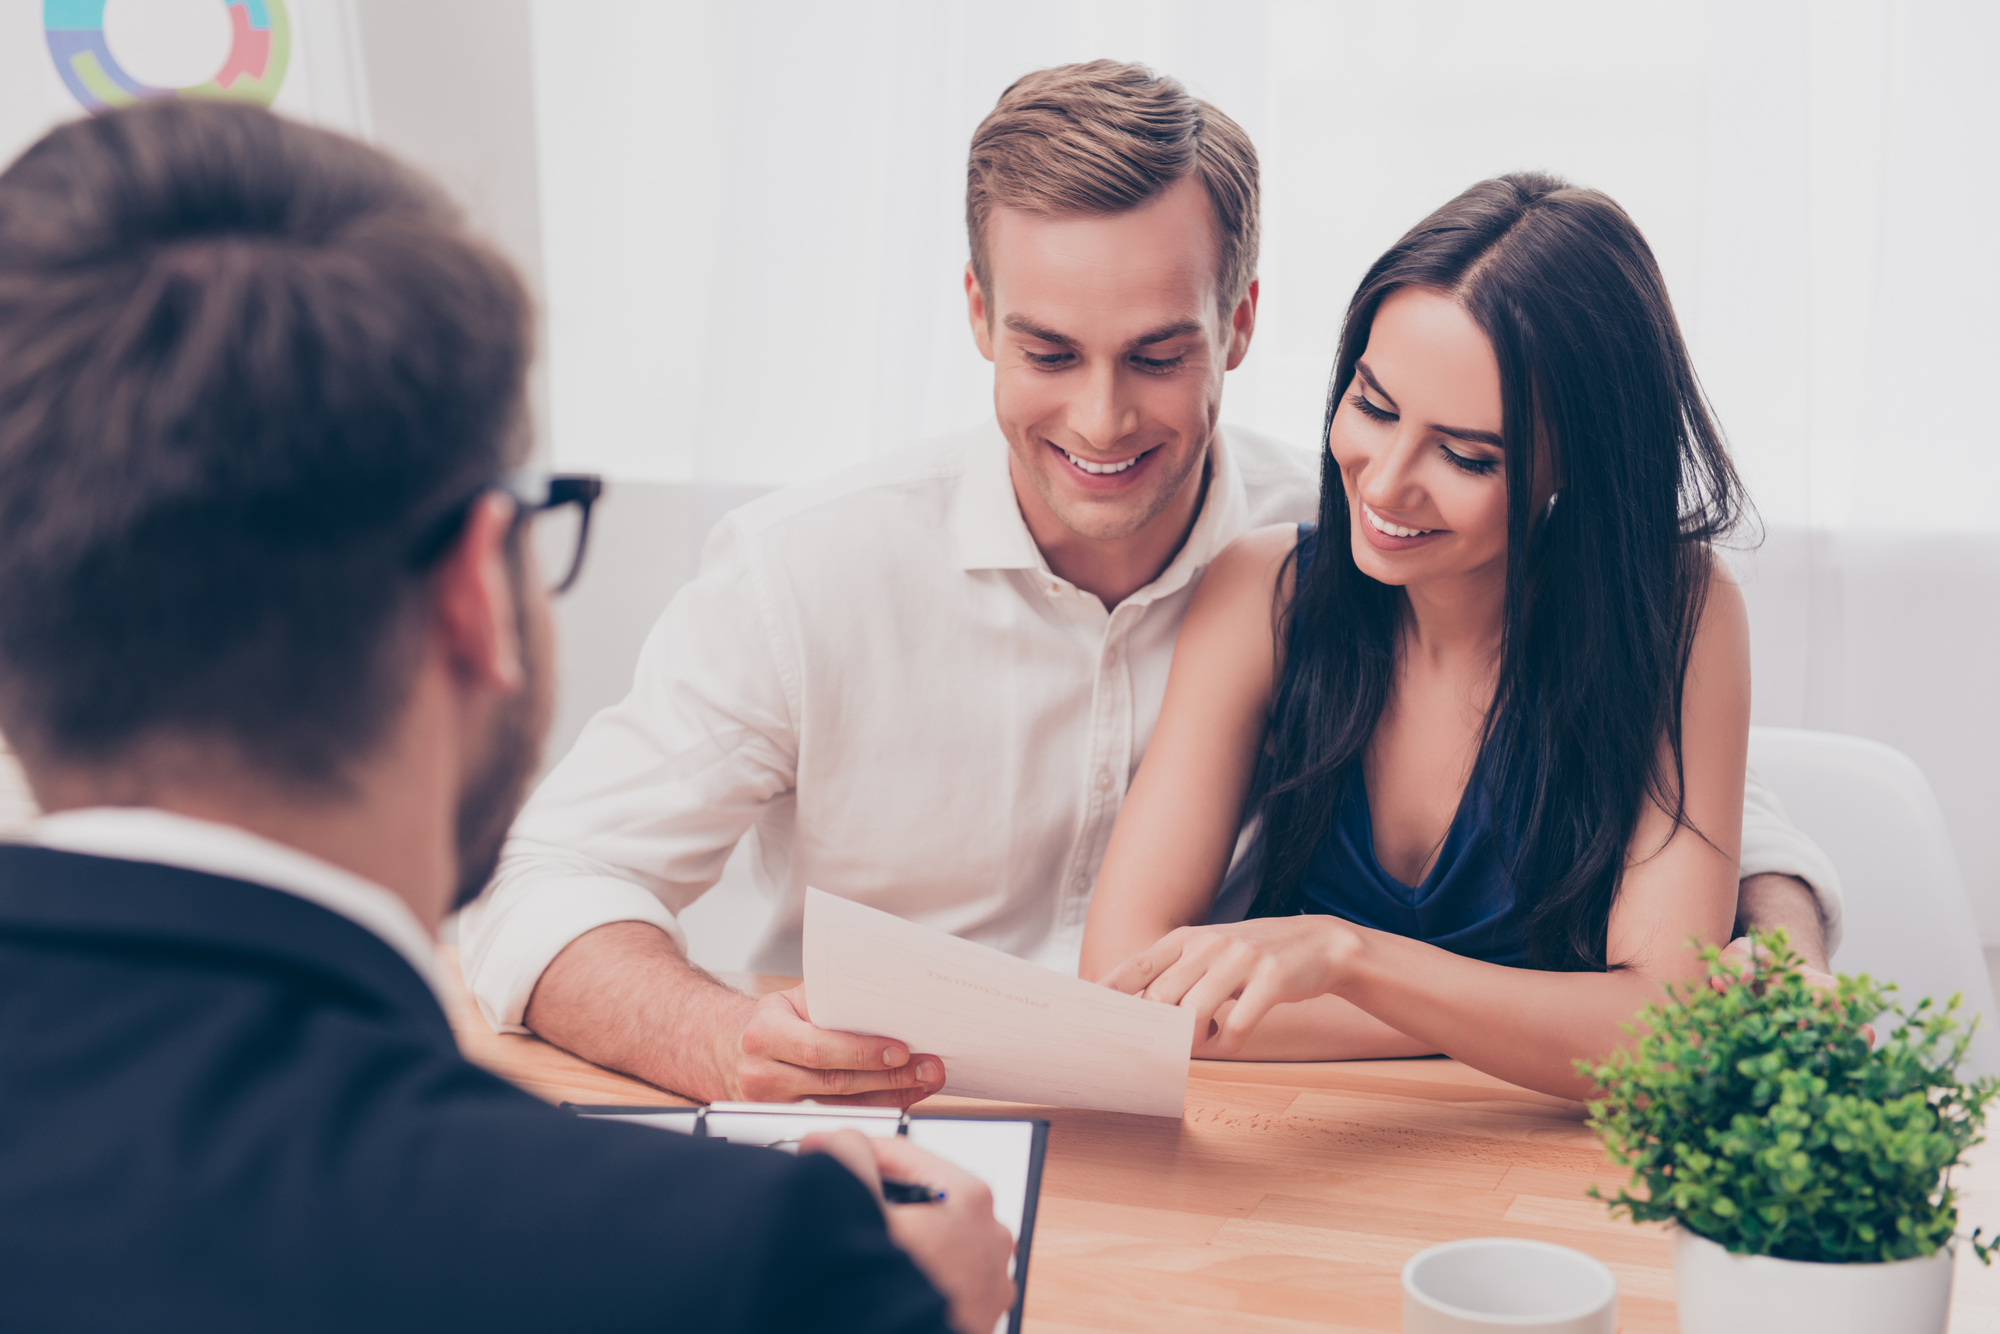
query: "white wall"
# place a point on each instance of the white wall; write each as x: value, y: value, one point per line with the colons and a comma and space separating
x: 468, y: 120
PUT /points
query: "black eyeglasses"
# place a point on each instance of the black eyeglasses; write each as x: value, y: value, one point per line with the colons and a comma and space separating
x: 555, y: 510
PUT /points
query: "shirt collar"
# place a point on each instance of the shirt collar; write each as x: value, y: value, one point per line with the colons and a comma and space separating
x: 990, y: 533
x: 144, y: 834
x: 987, y: 526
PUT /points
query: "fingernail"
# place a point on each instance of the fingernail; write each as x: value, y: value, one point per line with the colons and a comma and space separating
x: 928, y: 1071
x: 894, y: 1056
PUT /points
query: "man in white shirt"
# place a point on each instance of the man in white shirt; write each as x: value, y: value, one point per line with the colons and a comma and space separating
x: 927, y: 682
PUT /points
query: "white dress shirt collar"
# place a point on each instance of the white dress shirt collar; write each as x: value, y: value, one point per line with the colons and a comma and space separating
x: 986, y: 523
x: 990, y: 534
x: 163, y: 838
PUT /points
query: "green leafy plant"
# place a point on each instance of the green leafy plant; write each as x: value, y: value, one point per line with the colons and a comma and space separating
x: 1752, y: 1111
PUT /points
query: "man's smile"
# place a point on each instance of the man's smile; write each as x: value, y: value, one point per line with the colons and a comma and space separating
x: 1096, y: 469
x: 1102, y: 468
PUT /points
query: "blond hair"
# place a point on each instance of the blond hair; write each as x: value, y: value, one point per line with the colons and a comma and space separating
x: 1106, y: 137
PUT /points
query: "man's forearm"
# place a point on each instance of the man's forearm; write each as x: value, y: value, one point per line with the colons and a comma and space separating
x: 1765, y: 901
x: 624, y: 997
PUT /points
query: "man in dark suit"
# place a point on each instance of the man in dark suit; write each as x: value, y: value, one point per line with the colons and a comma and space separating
x: 273, y: 647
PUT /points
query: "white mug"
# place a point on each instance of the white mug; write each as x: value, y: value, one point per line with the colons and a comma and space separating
x: 1507, y: 1283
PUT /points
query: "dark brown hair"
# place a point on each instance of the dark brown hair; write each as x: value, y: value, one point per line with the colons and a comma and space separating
x: 1105, y: 137
x: 246, y: 367
x: 1603, y: 596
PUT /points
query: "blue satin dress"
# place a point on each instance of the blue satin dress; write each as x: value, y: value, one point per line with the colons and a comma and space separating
x: 1467, y: 902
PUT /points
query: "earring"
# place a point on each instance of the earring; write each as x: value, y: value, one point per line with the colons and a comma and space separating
x: 1551, y: 509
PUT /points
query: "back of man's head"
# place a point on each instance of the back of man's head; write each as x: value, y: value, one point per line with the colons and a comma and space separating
x: 250, y: 374
x: 1105, y: 137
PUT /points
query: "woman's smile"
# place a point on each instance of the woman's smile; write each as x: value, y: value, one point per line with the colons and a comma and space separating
x: 1387, y: 536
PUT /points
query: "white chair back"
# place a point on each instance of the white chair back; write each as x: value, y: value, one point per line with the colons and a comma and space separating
x: 1908, y: 919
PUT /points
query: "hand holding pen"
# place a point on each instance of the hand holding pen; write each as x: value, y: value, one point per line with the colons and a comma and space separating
x: 893, y: 1192
x: 960, y: 1246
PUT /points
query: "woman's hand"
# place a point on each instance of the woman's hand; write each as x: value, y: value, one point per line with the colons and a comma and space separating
x: 1232, y: 975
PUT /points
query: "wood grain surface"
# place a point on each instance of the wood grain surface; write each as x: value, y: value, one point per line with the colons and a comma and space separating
x: 1291, y: 1194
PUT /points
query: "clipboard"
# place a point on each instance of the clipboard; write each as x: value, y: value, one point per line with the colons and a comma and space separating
x: 1005, y: 1153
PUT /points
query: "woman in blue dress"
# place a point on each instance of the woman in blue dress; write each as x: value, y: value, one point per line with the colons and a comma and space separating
x: 1491, y: 712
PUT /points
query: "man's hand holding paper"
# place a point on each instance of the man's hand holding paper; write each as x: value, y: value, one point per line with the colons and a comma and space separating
x: 786, y: 1057
x: 627, y: 991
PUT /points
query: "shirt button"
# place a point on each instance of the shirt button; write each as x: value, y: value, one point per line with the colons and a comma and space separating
x: 1103, y: 780
x: 1082, y: 884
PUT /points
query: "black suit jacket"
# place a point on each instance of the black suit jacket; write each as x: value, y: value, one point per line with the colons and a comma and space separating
x: 225, y: 1108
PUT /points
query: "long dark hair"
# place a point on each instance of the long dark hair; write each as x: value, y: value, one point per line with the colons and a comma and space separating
x: 1603, y: 594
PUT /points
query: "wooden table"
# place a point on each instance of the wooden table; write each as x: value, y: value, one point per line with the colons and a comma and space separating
x: 1291, y: 1194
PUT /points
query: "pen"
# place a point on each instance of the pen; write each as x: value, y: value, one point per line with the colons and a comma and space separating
x: 909, y: 1192
x: 895, y: 1192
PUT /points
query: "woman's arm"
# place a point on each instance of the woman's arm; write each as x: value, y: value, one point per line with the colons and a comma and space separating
x: 1174, y: 834
x: 1522, y: 1025
x: 1324, y: 1028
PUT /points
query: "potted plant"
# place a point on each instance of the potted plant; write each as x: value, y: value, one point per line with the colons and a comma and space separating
x: 1806, y: 1170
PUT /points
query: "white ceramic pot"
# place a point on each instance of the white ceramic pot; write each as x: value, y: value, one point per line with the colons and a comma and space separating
x: 1720, y: 1293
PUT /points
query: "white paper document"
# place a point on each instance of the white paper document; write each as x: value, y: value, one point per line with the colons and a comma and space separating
x: 1005, y: 1028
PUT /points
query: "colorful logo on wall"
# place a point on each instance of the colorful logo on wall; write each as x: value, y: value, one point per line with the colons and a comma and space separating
x: 260, y: 48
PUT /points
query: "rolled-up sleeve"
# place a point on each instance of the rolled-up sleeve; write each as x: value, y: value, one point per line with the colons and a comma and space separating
x: 638, y: 820
x: 1772, y: 845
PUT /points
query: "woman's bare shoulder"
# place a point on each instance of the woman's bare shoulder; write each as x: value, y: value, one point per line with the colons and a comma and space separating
x: 1724, y: 613
x: 1231, y: 616
x: 1717, y: 678
x: 1256, y: 558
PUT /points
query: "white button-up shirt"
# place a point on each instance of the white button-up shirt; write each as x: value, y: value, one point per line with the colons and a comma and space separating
x: 879, y: 672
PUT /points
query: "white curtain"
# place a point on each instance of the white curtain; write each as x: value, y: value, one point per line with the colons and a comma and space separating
x: 1849, y: 326
x: 753, y: 211
x: 753, y: 241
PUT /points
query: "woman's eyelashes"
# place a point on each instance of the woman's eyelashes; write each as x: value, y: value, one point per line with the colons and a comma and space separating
x: 1369, y: 410
x: 1477, y: 467
x: 1464, y: 463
